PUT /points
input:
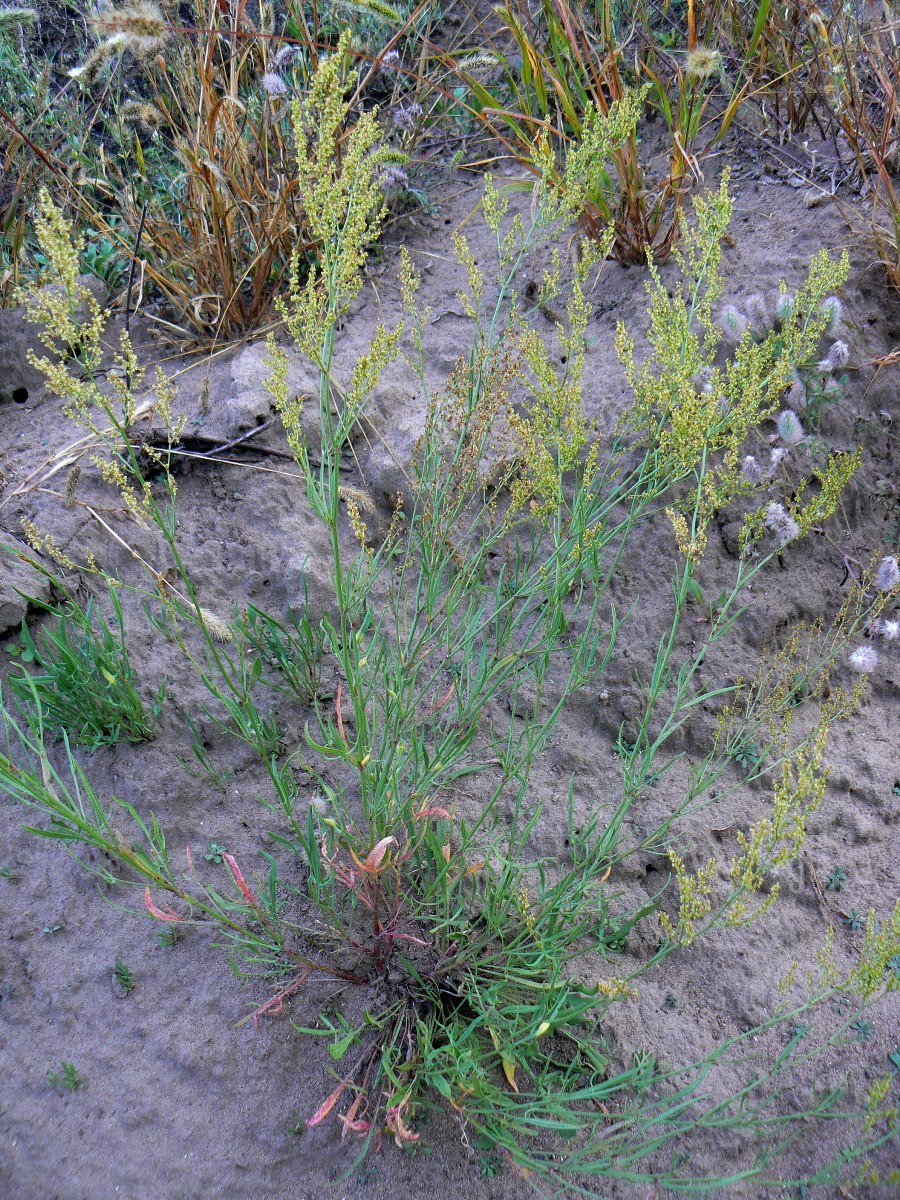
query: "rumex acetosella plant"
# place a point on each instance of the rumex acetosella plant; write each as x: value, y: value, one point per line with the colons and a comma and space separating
x: 496, y: 579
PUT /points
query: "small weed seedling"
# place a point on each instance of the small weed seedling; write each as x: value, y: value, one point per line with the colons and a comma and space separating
x: 863, y: 1030
x: 490, y: 1164
x: 215, y: 854
x: 67, y: 1078
x: 167, y: 937
x: 837, y: 880
x: 853, y: 920
x: 6, y: 873
x: 123, y: 977
x: 747, y: 756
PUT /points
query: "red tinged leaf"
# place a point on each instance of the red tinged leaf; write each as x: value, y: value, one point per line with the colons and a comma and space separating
x: 159, y: 913
x: 377, y: 853
x: 239, y: 879
x: 434, y: 811
x: 326, y: 1106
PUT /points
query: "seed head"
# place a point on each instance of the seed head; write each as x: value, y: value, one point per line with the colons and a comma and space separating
x: 864, y: 659
x: 318, y: 804
x: 138, y: 26
x: 888, y: 629
x: 703, y: 380
x: 833, y: 310
x: 785, y: 307
x: 758, y: 310
x: 89, y: 71
x: 405, y: 116
x: 273, y: 83
x: 391, y: 61
x: 703, y: 62
x: 219, y: 629
x: 888, y: 574
x: 751, y: 470
x: 781, y: 524
x: 796, y: 397
x: 393, y: 179
x: 16, y: 16
x: 284, y: 55
x: 790, y: 430
x: 838, y: 356
x: 734, y: 323
x: 776, y: 458
x: 145, y: 117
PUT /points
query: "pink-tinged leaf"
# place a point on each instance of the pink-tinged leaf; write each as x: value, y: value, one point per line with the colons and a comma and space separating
x: 239, y: 879
x: 159, y: 913
x: 353, y: 1123
x: 434, y: 811
x: 325, y: 1108
x: 377, y: 853
x: 398, y: 1129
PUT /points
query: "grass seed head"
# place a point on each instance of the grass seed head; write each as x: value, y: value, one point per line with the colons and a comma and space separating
x: 139, y: 27
x: 703, y: 62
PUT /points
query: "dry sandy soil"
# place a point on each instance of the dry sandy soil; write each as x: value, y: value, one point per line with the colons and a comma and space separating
x: 180, y: 1104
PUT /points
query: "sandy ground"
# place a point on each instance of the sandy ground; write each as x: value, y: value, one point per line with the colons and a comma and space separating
x: 180, y: 1104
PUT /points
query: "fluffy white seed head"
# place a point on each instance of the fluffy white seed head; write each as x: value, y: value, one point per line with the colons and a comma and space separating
x: 888, y: 575
x: 274, y: 84
x: 833, y: 310
x: 838, y: 355
x: 785, y: 307
x: 790, y: 430
x: 734, y: 323
x: 864, y: 659
x: 751, y: 470
x: 781, y: 524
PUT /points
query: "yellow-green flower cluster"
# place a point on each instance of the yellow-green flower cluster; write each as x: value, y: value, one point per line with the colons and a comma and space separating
x: 339, y: 177
x: 778, y: 838
x: 552, y: 435
x: 65, y: 311
x: 880, y: 945
x: 694, y: 900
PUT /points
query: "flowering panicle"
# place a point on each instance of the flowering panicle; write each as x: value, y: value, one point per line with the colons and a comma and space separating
x: 694, y: 900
